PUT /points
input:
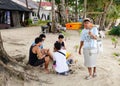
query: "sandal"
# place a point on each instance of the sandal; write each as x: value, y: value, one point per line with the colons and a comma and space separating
x: 88, y: 77
x: 94, y: 75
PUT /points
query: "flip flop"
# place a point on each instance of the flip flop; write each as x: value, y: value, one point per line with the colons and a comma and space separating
x: 94, y: 75
x: 88, y: 77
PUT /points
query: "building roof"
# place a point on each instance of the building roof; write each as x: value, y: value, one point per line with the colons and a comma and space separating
x: 10, y: 5
x: 31, y: 4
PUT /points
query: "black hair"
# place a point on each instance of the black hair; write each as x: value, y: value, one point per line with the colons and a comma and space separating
x: 86, y: 21
x: 57, y: 46
x: 60, y: 36
x: 42, y: 36
x: 37, y: 40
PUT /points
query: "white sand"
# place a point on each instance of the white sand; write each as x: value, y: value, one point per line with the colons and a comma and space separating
x: 17, y: 41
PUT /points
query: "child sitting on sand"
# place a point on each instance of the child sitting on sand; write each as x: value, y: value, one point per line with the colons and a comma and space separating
x: 67, y: 54
x: 60, y: 63
x: 61, y: 41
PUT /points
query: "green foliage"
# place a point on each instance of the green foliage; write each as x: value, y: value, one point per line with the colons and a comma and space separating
x: 114, y: 41
x: 43, y: 22
x: 113, y: 13
x: 115, y: 31
x: 29, y: 21
x: 76, y: 47
x: 116, y: 54
x: 79, y: 31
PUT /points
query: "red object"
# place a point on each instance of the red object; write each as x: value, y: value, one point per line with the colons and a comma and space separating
x: 46, y: 4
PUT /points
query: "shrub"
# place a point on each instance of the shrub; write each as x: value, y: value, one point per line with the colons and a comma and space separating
x: 43, y: 22
x: 115, y: 31
x: 29, y: 21
x: 114, y: 41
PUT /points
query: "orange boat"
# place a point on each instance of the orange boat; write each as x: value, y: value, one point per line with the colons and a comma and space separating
x: 73, y: 26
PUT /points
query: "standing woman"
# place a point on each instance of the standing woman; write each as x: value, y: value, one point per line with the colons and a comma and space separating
x: 89, y: 43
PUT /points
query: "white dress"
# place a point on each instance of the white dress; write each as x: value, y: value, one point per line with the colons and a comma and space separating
x: 90, y: 47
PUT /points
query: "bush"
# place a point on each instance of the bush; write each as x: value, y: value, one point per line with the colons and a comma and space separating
x: 29, y: 21
x: 43, y: 22
x: 115, y: 31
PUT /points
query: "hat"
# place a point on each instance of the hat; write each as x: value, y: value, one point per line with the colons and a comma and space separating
x: 87, y: 19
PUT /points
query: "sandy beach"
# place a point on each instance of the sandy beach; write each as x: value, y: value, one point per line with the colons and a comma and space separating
x: 17, y: 42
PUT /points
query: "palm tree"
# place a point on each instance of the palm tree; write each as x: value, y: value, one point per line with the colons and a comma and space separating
x: 63, y: 12
x: 76, y: 10
x: 39, y: 9
x: 53, y: 16
x: 85, y: 8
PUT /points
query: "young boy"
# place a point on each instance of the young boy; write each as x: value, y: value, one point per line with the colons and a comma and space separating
x: 60, y: 40
x: 60, y: 64
x: 43, y: 37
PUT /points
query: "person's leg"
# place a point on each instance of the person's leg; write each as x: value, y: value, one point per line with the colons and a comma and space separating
x: 90, y: 71
x: 50, y: 55
x: 47, y: 60
x: 94, y: 72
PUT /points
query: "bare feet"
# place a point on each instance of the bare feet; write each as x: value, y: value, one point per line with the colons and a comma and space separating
x: 47, y: 71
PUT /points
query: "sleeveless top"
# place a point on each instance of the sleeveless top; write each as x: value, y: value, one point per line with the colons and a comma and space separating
x: 32, y: 57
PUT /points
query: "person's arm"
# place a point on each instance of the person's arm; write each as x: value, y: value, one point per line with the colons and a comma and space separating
x: 81, y: 42
x: 94, y: 35
x: 40, y: 55
x: 81, y: 45
x: 64, y: 45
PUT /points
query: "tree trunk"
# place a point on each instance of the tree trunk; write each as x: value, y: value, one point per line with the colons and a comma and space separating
x: 63, y: 13
x: 53, y: 28
x: 39, y: 9
x: 26, y: 3
x: 11, y: 66
x: 85, y: 8
x: 109, y: 25
x: 103, y: 19
x: 76, y: 11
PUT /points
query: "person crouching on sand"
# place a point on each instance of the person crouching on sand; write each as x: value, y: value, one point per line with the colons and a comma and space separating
x: 38, y: 56
x: 60, y: 63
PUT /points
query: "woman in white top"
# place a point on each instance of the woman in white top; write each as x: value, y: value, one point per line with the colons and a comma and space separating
x: 89, y: 43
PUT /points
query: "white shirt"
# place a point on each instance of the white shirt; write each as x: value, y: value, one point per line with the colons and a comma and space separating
x: 88, y: 41
x: 61, y: 65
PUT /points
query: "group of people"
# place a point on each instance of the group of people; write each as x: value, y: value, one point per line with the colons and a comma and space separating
x: 38, y: 55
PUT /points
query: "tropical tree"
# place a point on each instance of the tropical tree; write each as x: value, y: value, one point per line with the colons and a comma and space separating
x: 39, y: 9
x: 53, y: 28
